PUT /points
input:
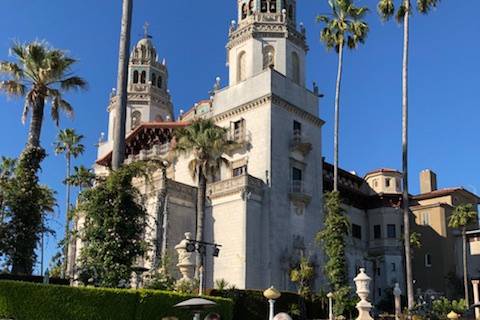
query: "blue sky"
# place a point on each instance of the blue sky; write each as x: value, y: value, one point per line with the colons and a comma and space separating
x: 191, y: 35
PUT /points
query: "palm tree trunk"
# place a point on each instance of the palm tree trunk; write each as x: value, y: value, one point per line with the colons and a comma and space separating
x: 465, y: 266
x: 35, y: 129
x: 118, y: 153
x: 201, y: 199
x: 337, y: 118
x: 66, y: 262
x: 405, y: 203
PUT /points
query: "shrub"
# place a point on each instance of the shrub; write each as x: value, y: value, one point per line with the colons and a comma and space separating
x: 26, y: 301
x: 252, y: 305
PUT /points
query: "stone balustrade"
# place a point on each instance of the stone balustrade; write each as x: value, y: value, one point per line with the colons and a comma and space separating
x: 244, y: 183
x: 155, y: 153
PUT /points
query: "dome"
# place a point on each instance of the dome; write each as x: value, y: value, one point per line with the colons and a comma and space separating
x: 144, y: 51
x: 145, y: 42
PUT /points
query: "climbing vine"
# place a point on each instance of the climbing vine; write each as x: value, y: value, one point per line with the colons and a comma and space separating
x: 332, y: 239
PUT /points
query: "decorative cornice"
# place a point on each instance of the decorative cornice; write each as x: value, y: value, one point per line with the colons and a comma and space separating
x: 276, y: 100
x: 282, y: 103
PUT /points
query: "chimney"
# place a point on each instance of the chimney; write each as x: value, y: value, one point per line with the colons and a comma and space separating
x: 428, y: 181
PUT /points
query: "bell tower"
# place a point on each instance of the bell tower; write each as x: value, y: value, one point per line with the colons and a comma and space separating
x: 266, y: 36
x: 149, y: 99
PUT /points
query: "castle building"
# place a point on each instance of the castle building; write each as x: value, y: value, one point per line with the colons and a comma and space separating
x: 266, y: 206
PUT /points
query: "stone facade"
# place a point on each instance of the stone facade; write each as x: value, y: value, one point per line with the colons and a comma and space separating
x: 265, y: 207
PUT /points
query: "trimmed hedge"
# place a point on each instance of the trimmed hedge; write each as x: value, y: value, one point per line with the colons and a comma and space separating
x: 27, y: 301
x: 252, y: 305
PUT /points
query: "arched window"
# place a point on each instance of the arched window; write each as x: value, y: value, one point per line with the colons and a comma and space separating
x: 159, y: 82
x: 296, y: 68
x: 154, y: 79
x: 244, y: 11
x: 250, y: 7
x: 263, y: 6
x: 135, y: 76
x: 143, y: 77
x: 268, y: 57
x: 136, y: 118
x: 242, y: 66
x: 273, y: 6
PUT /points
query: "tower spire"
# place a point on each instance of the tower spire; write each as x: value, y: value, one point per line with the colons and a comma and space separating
x: 146, y: 25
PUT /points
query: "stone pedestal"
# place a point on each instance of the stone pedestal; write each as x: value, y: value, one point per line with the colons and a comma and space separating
x: 362, y: 281
x: 476, y: 297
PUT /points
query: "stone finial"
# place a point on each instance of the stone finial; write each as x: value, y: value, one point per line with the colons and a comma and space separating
x: 186, y: 260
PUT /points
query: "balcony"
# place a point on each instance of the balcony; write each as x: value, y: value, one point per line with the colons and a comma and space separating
x: 244, y: 184
x: 300, y: 144
x: 155, y: 153
x: 298, y: 192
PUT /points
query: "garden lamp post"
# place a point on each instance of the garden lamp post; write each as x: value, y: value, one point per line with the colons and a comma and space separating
x: 330, y: 305
x: 271, y: 294
x: 397, y: 292
x: 362, y: 282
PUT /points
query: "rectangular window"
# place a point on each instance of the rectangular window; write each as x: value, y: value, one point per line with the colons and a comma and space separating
x: 428, y: 260
x: 394, y: 267
x: 387, y: 183
x: 297, y: 180
x: 356, y: 231
x: 425, y: 216
x: 391, y: 231
x: 238, y: 131
x: 377, y: 231
x: 297, y: 130
x: 240, y: 171
x: 379, y: 292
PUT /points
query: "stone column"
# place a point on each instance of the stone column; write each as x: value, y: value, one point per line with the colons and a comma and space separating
x: 476, y: 297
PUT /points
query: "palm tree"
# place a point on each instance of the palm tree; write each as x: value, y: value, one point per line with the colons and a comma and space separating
x: 68, y: 143
x: 118, y: 153
x: 386, y: 9
x: 343, y: 26
x: 81, y: 178
x: 463, y: 216
x: 41, y: 74
x: 207, y: 143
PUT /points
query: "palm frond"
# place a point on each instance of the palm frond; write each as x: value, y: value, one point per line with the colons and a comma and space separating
x: 12, y: 69
x: 13, y: 88
x: 73, y: 83
x: 424, y: 6
x: 386, y: 9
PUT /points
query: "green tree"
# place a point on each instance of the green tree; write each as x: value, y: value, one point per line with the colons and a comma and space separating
x: 25, y: 205
x: 387, y: 9
x: 343, y: 26
x: 118, y: 153
x: 115, y: 222
x: 206, y: 143
x: 68, y: 143
x: 332, y: 239
x: 303, y: 275
x: 463, y: 216
x: 41, y: 74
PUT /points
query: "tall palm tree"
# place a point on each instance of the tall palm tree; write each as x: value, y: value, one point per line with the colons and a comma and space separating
x: 206, y: 143
x: 463, y: 216
x: 42, y: 74
x: 118, y: 153
x: 386, y: 9
x: 69, y: 143
x: 81, y: 178
x: 343, y: 26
